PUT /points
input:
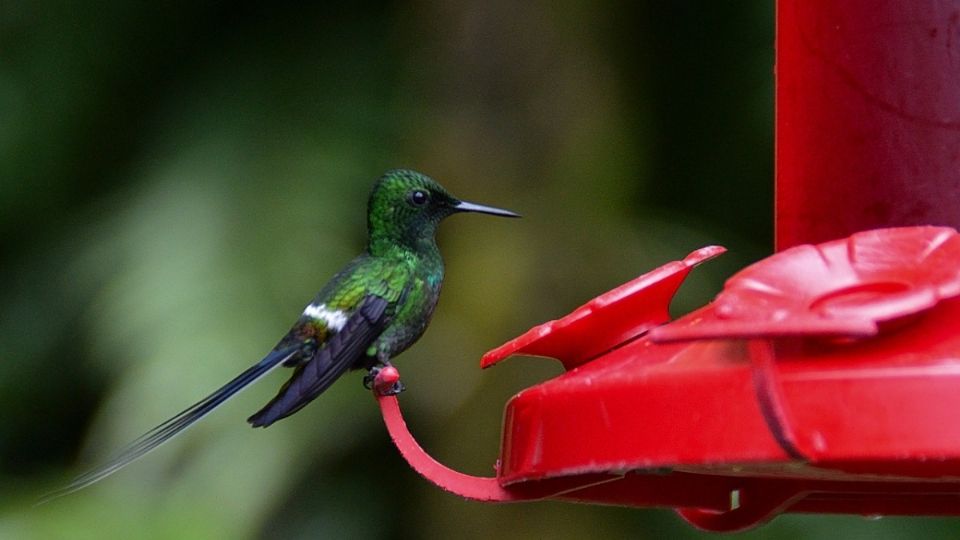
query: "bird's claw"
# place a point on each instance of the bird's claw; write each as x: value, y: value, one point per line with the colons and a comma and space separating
x: 385, y: 380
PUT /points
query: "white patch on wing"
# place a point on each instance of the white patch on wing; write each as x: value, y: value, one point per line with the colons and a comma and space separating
x: 333, y: 318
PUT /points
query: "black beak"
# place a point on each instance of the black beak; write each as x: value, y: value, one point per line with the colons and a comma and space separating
x: 464, y: 206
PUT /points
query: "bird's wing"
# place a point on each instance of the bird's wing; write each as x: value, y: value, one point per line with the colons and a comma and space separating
x: 167, y: 430
x: 339, y: 352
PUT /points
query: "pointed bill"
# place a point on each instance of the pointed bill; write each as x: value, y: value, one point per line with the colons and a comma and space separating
x: 464, y: 206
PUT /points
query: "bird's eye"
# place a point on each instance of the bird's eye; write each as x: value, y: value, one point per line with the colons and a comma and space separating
x: 419, y: 197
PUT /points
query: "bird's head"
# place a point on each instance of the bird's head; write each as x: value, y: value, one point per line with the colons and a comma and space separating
x: 406, y: 206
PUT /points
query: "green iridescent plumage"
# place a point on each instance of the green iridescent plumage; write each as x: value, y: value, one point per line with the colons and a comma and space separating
x: 372, y: 310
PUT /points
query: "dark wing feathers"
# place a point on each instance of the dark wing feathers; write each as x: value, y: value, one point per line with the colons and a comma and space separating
x: 339, y: 353
x: 172, y: 427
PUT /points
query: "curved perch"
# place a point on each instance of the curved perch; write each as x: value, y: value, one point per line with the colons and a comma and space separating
x: 471, y: 487
x: 478, y: 488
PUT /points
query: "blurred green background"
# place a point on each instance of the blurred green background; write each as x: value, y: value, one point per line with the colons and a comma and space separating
x: 176, y: 182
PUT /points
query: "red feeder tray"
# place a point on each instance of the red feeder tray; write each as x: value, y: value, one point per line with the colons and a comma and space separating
x: 823, y: 379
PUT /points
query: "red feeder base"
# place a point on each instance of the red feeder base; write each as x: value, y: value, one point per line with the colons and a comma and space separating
x: 822, y: 379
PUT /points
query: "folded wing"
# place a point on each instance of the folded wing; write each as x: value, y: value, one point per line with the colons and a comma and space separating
x: 339, y: 353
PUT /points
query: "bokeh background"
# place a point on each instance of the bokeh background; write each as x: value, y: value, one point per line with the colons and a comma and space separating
x: 176, y: 182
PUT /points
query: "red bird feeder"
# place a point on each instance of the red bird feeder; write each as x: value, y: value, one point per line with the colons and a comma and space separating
x: 821, y: 379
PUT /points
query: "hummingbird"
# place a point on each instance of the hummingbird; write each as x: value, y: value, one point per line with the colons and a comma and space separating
x: 376, y: 307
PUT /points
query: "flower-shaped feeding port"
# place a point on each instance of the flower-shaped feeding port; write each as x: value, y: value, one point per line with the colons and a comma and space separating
x: 611, y: 319
x: 850, y: 288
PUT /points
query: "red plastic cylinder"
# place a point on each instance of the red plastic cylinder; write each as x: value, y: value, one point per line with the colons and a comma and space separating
x: 868, y: 117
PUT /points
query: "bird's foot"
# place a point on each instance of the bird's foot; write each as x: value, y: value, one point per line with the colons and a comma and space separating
x: 385, y: 380
x: 370, y: 377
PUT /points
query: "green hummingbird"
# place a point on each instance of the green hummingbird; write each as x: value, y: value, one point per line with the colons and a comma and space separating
x: 372, y: 310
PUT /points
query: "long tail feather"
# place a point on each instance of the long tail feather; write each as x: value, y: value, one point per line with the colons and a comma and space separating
x: 174, y: 426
